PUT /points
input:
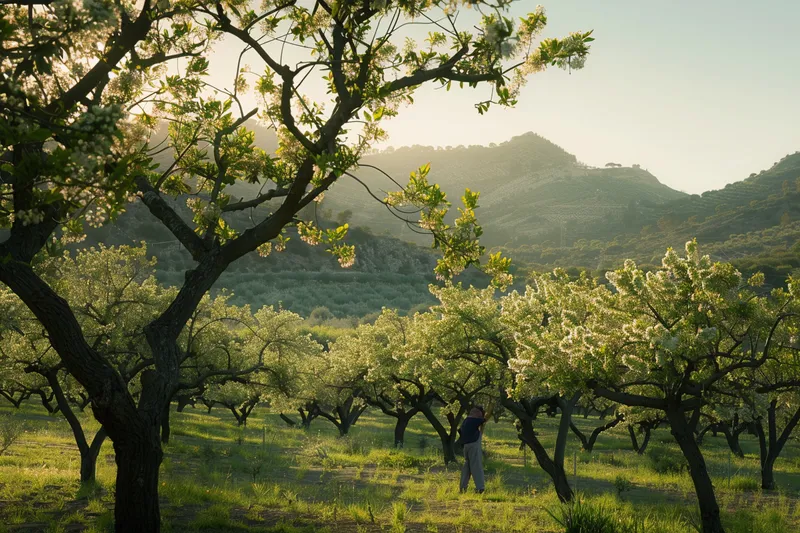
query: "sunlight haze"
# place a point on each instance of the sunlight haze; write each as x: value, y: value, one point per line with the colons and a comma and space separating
x: 699, y: 93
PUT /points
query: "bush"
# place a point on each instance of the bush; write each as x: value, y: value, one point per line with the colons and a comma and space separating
x: 585, y: 517
x: 622, y: 484
x: 355, y: 446
x: 665, y: 460
x: 10, y: 430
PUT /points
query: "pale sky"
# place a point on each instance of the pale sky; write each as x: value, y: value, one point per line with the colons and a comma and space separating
x: 699, y: 92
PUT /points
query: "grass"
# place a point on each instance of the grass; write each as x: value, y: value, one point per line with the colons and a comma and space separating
x: 272, y: 478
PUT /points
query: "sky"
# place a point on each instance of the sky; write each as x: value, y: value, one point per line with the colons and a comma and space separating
x: 700, y: 93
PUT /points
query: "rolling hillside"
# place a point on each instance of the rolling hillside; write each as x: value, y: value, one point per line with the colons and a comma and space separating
x: 754, y: 223
x: 538, y: 204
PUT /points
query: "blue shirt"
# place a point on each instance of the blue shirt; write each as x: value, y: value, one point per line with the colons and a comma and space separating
x: 470, y: 429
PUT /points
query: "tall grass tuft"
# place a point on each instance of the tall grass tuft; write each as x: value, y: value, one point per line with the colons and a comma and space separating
x: 586, y: 517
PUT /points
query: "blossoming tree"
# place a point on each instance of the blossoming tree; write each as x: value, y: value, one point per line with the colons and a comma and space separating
x: 77, y: 100
x: 672, y: 338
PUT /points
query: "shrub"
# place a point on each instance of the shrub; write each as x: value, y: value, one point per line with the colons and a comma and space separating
x: 355, y: 446
x: 665, y: 460
x: 423, y: 443
x: 622, y: 484
x: 10, y: 430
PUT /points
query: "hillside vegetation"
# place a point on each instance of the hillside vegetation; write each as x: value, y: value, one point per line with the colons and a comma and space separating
x: 538, y: 204
x: 754, y: 223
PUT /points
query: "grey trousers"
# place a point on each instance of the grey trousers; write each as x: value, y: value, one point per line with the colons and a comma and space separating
x: 473, y: 466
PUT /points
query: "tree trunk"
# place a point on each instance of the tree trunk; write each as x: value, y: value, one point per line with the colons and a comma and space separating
x: 183, y: 401
x: 307, y: 416
x: 89, y: 457
x: 771, y: 445
x: 138, y: 461
x: 587, y: 444
x: 707, y: 499
x: 165, y: 429
x: 400, y: 429
x: 702, y: 434
x: 634, y: 441
x: 732, y: 436
x: 645, y: 440
x: 88, y: 452
x: 448, y: 448
x: 553, y: 469
x: 767, y: 473
x: 289, y: 422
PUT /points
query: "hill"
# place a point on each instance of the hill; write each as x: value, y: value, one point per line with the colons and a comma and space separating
x: 538, y: 204
x: 387, y: 272
x: 530, y: 187
x: 755, y: 223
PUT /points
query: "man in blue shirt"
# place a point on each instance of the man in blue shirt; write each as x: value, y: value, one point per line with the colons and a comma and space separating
x: 470, y: 437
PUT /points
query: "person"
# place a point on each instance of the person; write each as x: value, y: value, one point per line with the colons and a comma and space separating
x: 470, y: 436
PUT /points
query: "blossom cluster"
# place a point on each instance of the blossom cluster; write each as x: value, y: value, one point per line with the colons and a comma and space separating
x: 29, y: 217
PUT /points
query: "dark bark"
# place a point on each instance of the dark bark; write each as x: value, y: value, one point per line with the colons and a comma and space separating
x: 89, y: 457
x: 165, y: 429
x: 400, y: 429
x: 183, y: 401
x: 526, y: 412
x: 209, y: 405
x: 88, y: 452
x: 138, y: 461
x: 707, y: 499
x: 553, y: 468
x: 645, y: 429
x: 412, y: 395
x: 702, y: 433
x: 588, y: 443
x: 446, y: 435
x: 12, y: 397
x: 242, y: 411
x: 289, y: 421
x: 731, y: 434
x: 307, y: 415
x: 343, y: 416
x: 771, y: 444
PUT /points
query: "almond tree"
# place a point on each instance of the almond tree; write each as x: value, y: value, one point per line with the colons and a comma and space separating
x: 73, y: 152
x: 771, y: 393
x: 672, y: 338
x: 375, y: 354
x: 114, y: 295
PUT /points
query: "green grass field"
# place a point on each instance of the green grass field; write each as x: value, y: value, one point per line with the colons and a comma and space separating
x: 272, y: 478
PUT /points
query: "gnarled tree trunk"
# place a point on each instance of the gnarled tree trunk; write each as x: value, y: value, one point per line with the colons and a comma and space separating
x: 707, y: 499
x: 553, y: 467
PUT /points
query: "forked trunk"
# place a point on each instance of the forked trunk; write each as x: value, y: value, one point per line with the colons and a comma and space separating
x: 640, y: 448
x: 587, y: 443
x: 554, y: 469
x: 732, y: 436
x: 89, y: 457
x: 771, y: 444
x: 707, y: 499
x: 183, y: 401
